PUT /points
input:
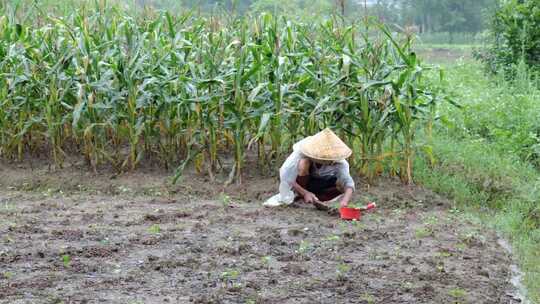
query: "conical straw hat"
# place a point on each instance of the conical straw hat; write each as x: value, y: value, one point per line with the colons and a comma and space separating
x: 325, y: 145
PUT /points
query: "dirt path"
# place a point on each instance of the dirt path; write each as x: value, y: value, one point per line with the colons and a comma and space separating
x: 72, y: 238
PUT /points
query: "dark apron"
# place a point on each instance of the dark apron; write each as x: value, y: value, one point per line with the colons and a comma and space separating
x: 324, y: 188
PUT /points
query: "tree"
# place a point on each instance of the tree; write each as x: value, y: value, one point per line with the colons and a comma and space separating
x: 445, y: 15
x: 293, y: 7
x: 341, y: 5
x: 515, y: 36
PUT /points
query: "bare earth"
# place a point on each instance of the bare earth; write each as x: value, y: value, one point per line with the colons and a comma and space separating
x: 74, y: 237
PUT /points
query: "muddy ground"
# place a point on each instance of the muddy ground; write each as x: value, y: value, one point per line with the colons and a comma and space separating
x: 74, y: 237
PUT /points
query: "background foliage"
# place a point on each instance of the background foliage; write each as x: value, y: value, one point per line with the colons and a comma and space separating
x: 487, y: 157
x: 515, y: 37
x: 427, y: 16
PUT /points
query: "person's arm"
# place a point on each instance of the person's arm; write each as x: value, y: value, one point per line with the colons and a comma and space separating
x: 299, y: 189
x: 288, y: 185
x: 346, y: 197
x: 345, y: 179
x: 308, y: 196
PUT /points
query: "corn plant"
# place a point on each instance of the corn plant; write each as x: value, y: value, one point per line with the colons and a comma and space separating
x: 119, y: 89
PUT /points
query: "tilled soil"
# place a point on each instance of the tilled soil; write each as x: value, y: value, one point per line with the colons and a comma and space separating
x: 95, y: 247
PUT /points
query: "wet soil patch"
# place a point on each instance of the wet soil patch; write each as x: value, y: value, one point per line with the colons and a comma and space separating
x: 179, y: 248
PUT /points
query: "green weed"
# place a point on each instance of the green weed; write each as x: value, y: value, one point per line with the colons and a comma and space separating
x: 267, y: 261
x: 305, y: 247
x: 370, y: 299
x: 431, y: 220
x: 332, y: 238
x: 457, y: 293
x: 8, y: 275
x: 423, y: 232
x: 231, y: 274
x: 342, y: 270
x: 154, y: 229
x: 225, y: 200
x: 66, y: 260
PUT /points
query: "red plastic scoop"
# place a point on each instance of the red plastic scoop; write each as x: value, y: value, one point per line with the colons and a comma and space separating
x: 354, y: 213
x: 349, y: 213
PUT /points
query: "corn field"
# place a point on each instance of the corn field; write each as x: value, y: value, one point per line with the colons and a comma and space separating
x: 120, y: 89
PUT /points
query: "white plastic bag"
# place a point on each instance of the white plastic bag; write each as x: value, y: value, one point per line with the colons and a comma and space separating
x: 287, y: 175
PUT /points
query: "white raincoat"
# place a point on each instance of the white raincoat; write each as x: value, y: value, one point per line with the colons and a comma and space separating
x: 289, y: 171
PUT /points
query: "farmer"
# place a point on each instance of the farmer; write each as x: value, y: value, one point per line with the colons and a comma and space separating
x: 315, y: 172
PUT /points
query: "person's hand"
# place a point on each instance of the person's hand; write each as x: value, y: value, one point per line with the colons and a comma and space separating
x: 343, y: 204
x: 310, y: 198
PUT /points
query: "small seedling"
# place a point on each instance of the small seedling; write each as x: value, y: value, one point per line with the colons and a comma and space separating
x: 444, y: 254
x: 374, y: 255
x: 368, y: 298
x: 123, y: 189
x: 358, y: 224
x: 457, y: 293
x: 342, y: 270
x: 152, y: 191
x: 396, y: 253
x: 8, y: 275
x: 117, y: 268
x: 455, y: 211
x: 66, y: 259
x: 440, y: 267
x: 376, y: 217
x: 332, y: 238
x: 49, y: 192
x: 266, y: 260
x: 407, y: 286
x: 225, y: 200
x: 398, y: 212
x: 155, y: 229
x: 431, y: 220
x: 471, y: 237
x: 230, y: 275
x: 343, y: 226
x: 423, y: 232
x: 461, y: 246
x: 7, y: 207
x: 305, y: 247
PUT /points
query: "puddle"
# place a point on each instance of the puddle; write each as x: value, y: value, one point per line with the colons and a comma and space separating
x: 520, y: 290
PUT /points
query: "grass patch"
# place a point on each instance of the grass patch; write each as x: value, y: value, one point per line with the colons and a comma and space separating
x: 447, y: 46
x: 464, y: 176
x: 485, y: 164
